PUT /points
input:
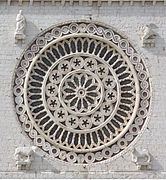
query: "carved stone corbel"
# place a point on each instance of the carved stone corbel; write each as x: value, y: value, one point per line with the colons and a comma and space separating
x: 20, y: 27
x: 148, y: 35
x: 23, y: 157
x: 141, y: 159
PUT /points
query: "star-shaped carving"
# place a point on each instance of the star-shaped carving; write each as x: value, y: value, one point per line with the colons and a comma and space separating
x: 51, y: 90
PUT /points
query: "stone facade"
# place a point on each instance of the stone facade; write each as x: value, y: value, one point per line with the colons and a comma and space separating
x: 127, y: 19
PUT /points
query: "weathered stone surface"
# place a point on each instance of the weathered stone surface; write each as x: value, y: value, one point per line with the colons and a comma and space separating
x: 126, y: 19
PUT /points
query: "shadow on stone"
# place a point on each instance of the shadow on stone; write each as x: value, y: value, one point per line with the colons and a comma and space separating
x: 40, y: 164
x: 156, y: 166
x: 155, y: 50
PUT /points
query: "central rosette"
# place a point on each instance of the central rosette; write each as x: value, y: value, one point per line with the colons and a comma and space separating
x: 81, y: 92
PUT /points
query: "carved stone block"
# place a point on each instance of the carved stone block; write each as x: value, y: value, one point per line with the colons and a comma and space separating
x: 23, y: 157
x: 141, y: 159
x: 90, y: 95
x: 148, y: 35
x: 20, y: 27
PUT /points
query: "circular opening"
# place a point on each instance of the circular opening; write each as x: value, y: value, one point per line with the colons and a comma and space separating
x: 108, y: 34
x: 123, y: 44
x: 135, y: 58
x: 107, y: 153
x: 81, y: 92
x: 41, y: 41
x: 122, y: 143
x: 56, y: 32
x: 71, y: 157
x: 144, y: 94
x: 20, y: 108
x: 18, y: 90
x: 21, y: 72
x: 25, y: 63
x: 142, y: 112
x: 91, y: 29
x: 142, y: 75
x: 134, y: 129
x: 27, y: 126
x: 73, y: 28
x: 63, y: 155
x: 89, y: 157
x: 34, y: 48
x: 54, y: 151
x: 39, y: 140
x: 29, y: 55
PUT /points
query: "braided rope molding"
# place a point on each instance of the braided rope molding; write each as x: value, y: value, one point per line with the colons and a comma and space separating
x: 108, y: 34
x: 80, y: 2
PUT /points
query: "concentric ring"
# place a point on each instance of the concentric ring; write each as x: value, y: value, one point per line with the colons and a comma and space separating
x: 84, y: 92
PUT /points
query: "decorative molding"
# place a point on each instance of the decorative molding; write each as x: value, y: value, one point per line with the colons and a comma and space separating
x: 110, y: 3
x: 9, y: 2
x: 31, y: 2
x: 141, y: 159
x: 89, y: 2
x: 86, y: 96
x: 23, y: 157
x: 131, y: 3
x: 154, y: 2
x: 63, y: 2
x: 53, y: 2
x: 42, y: 2
x: 121, y: 2
x: 164, y: 2
x: 20, y: 2
x: 143, y: 2
x: 80, y: 3
x: 99, y: 3
x: 71, y: 2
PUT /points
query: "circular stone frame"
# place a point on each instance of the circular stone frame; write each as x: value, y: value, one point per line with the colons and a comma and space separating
x: 125, y: 126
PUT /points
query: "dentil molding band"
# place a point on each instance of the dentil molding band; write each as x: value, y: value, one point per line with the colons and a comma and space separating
x: 80, y: 2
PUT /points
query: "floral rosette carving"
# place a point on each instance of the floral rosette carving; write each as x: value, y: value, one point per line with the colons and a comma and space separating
x: 82, y: 92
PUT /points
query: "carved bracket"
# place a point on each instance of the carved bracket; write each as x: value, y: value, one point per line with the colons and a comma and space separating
x: 148, y: 35
x: 141, y: 159
x: 20, y: 28
x: 23, y: 157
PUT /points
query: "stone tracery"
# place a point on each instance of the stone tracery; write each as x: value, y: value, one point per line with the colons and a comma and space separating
x: 86, y: 93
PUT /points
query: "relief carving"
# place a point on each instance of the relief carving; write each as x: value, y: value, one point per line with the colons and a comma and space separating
x: 141, y: 159
x: 20, y: 28
x: 82, y: 100
x: 23, y: 157
x: 148, y: 35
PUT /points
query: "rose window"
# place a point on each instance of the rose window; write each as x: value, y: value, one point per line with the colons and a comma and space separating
x: 82, y: 92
